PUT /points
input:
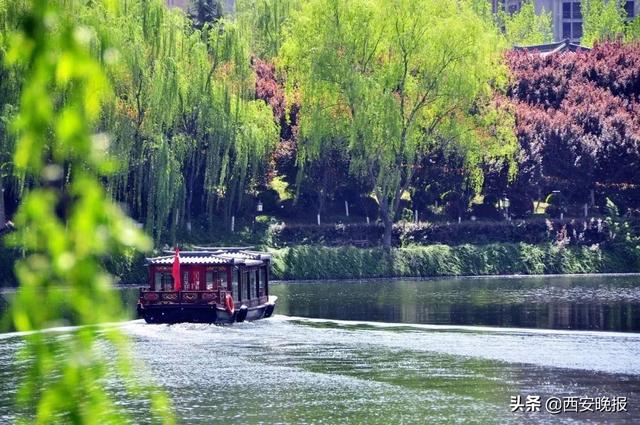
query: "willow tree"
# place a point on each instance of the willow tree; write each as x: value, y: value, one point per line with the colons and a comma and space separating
x: 396, y: 78
x: 526, y: 27
x: 8, y: 99
x: 67, y: 225
x: 185, y: 125
x: 10, y: 82
x: 266, y: 19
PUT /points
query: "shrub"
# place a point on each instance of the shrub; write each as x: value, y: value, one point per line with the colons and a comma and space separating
x: 313, y: 262
x: 127, y: 267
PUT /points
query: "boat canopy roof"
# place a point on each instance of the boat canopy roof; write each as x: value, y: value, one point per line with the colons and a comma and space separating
x: 215, y: 256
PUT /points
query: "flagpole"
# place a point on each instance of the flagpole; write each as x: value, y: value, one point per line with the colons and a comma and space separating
x: 175, y: 271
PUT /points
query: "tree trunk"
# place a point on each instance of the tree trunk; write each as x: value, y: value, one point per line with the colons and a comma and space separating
x: 189, y: 207
x: 388, y: 228
x: 387, y: 220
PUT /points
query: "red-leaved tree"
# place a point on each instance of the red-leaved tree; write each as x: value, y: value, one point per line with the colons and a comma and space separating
x: 578, y: 121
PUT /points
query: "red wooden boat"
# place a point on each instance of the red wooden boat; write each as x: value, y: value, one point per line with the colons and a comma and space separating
x: 214, y: 285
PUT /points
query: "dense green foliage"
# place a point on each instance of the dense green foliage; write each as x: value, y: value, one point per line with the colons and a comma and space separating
x: 313, y: 262
x: 525, y: 27
x: 183, y: 123
x: 185, y: 119
x: 66, y: 223
x: 602, y: 20
x: 266, y: 20
x: 610, y: 235
x: 391, y: 80
x: 401, y: 113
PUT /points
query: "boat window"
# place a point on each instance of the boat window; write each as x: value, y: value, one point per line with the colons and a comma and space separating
x: 215, y: 279
x: 157, y: 283
x: 252, y: 284
x: 246, y: 287
x: 209, y: 280
x: 242, y: 295
x: 261, y: 283
x: 185, y: 280
x: 234, y: 286
x: 163, y: 282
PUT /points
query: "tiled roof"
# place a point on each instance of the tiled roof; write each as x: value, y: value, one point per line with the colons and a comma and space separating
x: 550, y: 48
x: 219, y: 256
x: 189, y: 260
x: 248, y: 255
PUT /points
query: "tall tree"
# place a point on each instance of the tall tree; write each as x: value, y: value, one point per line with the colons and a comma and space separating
x: 266, y: 20
x: 602, y: 20
x: 633, y: 30
x: 10, y: 81
x: 393, y: 78
x: 184, y: 124
x: 526, y: 27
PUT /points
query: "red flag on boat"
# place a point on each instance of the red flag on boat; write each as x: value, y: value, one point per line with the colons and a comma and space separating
x: 175, y: 272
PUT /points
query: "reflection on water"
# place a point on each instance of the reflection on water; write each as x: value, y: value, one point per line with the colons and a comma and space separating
x: 585, y: 303
x: 297, y: 370
x: 436, y: 351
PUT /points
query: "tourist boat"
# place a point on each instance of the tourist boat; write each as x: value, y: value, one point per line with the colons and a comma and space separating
x: 207, y: 285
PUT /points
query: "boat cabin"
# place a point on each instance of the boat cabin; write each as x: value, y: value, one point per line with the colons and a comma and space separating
x: 207, y: 276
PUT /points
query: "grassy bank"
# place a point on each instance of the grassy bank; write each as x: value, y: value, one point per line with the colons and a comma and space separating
x: 314, y: 262
x: 317, y: 262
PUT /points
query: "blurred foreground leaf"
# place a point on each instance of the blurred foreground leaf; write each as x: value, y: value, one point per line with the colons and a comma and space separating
x: 67, y: 225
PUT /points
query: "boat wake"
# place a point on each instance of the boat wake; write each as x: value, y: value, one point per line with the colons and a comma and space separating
x: 607, y: 352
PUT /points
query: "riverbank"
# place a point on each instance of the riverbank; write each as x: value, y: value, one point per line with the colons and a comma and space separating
x: 315, y: 262
x: 305, y: 262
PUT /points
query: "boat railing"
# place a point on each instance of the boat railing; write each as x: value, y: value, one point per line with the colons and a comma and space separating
x: 210, y: 296
x: 182, y: 297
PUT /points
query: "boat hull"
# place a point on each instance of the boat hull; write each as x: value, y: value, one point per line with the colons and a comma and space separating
x: 210, y: 313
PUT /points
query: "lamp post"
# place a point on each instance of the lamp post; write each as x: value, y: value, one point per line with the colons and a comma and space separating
x: 259, y: 208
x: 506, y: 203
x: 557, y: 194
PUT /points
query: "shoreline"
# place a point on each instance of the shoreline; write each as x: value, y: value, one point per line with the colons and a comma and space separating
x: 461, y: 277
x: 418, y: 262
x: 410, y: 278
x: 308, y: 262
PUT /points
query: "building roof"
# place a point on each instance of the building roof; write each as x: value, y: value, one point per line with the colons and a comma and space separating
x: 214, y: 256
x: 550, y: 48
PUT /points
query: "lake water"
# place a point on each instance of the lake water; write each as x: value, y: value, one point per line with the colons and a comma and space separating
x: 435, y: 351
x: 553, y: 302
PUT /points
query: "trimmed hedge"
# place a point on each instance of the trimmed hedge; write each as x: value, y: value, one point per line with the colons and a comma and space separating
x: 315, y: 262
